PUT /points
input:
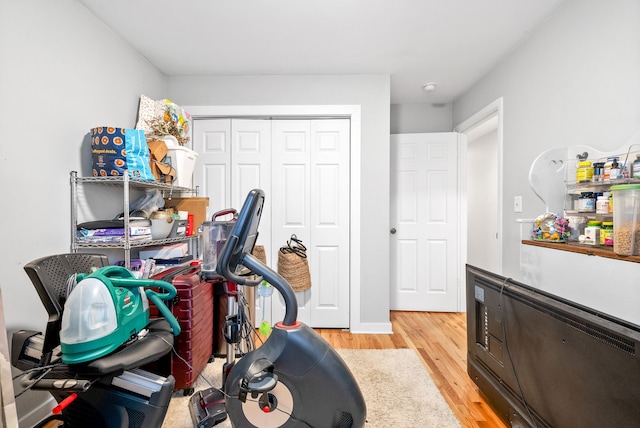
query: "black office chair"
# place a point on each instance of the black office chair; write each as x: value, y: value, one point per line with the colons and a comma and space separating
x: 112, y: 390
x: 50, y: 276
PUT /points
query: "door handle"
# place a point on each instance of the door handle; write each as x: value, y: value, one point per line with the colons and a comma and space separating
x: 393, y: 230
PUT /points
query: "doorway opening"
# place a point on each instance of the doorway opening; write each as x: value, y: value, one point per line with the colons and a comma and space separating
x: 481, y: 189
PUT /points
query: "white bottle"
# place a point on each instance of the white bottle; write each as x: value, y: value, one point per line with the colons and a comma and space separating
x: 602, y: 203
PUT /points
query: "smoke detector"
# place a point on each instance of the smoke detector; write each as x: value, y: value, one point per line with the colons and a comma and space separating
x: 429, y: 87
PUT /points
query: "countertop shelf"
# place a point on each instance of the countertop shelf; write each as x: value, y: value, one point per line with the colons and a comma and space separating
x: 588, y: 250
x: 598, y: 186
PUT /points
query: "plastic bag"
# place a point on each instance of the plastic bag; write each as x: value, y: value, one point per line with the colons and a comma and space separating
x: 116, y: 151
x: 152, y: 201
x: 163, y: 117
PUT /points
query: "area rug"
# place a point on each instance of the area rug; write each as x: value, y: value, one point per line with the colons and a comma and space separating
x: 397, y: 389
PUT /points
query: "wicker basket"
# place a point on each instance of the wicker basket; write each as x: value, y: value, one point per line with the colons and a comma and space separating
x: 260, y: 254
x: 294, y: 266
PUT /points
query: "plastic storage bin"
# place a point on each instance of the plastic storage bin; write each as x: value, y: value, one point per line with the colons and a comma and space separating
x: 183, y: 160
x: 626, y: 219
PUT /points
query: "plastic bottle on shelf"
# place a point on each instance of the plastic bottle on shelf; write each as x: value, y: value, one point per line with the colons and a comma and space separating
x: 586, y: 202
x: 592, y: 233
x: 602, y: 203
x: 610, y: 203
x: 598, y: 172
x: 584, y: 172
x: 616, y: 171
x: 606, y: 233
x: 607, y: 167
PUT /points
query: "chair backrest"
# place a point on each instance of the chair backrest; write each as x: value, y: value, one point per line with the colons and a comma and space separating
x: 49, y: 276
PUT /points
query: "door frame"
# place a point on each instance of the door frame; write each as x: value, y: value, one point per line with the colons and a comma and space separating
x: 495, y: 108
x: 352, y: 112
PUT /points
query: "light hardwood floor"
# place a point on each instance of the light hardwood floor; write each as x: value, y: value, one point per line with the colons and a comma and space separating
x: 440, y: 339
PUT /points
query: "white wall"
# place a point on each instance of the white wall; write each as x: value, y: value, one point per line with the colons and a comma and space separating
x: 62, y: 72
x: 482, y: 201
x: 371, y: 92
x: 420, y: 118
x: 576, y: 80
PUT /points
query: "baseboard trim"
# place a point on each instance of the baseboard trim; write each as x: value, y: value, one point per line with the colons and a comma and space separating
x: 372, y: 328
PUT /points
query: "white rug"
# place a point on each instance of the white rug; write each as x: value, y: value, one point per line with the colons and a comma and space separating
x: 397, y: 389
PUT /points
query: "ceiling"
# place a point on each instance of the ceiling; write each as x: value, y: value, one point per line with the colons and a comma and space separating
x: 450, y: 42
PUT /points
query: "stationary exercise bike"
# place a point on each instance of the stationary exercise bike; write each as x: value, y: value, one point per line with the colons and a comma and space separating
x: 294, y: 379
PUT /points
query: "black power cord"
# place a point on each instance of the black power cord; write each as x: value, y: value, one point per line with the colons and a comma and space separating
x: 506, y: 346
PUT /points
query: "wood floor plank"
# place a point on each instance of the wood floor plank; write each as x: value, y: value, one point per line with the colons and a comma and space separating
x: 440, y: 340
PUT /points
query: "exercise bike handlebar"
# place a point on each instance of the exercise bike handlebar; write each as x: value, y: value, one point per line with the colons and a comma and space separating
x: 249, y: 261
x: 279, y: 283
x: 236, y: 252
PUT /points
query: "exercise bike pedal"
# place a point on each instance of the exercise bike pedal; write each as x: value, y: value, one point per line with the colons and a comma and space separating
x: 258, y: 379
x: 207, y: 408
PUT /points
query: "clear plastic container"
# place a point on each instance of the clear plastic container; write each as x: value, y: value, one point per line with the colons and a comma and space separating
x: 214, y: 236
x: 626, y: 219
x: 89, y: 313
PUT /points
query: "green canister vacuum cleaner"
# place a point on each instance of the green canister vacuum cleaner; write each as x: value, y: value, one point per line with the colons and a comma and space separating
x: 106, y: 309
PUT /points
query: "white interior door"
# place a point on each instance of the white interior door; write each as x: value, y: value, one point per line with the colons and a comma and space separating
x: 212, y: 172
x: 311, y: 200
x: 329, y: 253
x: 234, y: 157
x: 424, y: 222
x: 292, y: 202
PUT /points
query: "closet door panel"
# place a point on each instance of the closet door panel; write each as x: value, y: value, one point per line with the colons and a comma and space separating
x: 212, y: 173
x: 251, y: 169
x: 291, y: 205
x: 295, y: 193
x: 330, y: 222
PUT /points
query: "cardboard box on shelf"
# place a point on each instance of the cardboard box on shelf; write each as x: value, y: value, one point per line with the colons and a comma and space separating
x: 195, y: 206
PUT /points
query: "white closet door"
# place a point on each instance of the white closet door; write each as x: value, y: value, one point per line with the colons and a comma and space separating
x: 303, y: 167
x: 291, y: 209
x: 234, y: 157
x: 329, y: 252
x: 251, y: 169
x: 212, y: 173
x: 311, y: 200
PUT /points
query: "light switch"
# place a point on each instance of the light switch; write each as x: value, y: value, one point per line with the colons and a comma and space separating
x: 517, y: 204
